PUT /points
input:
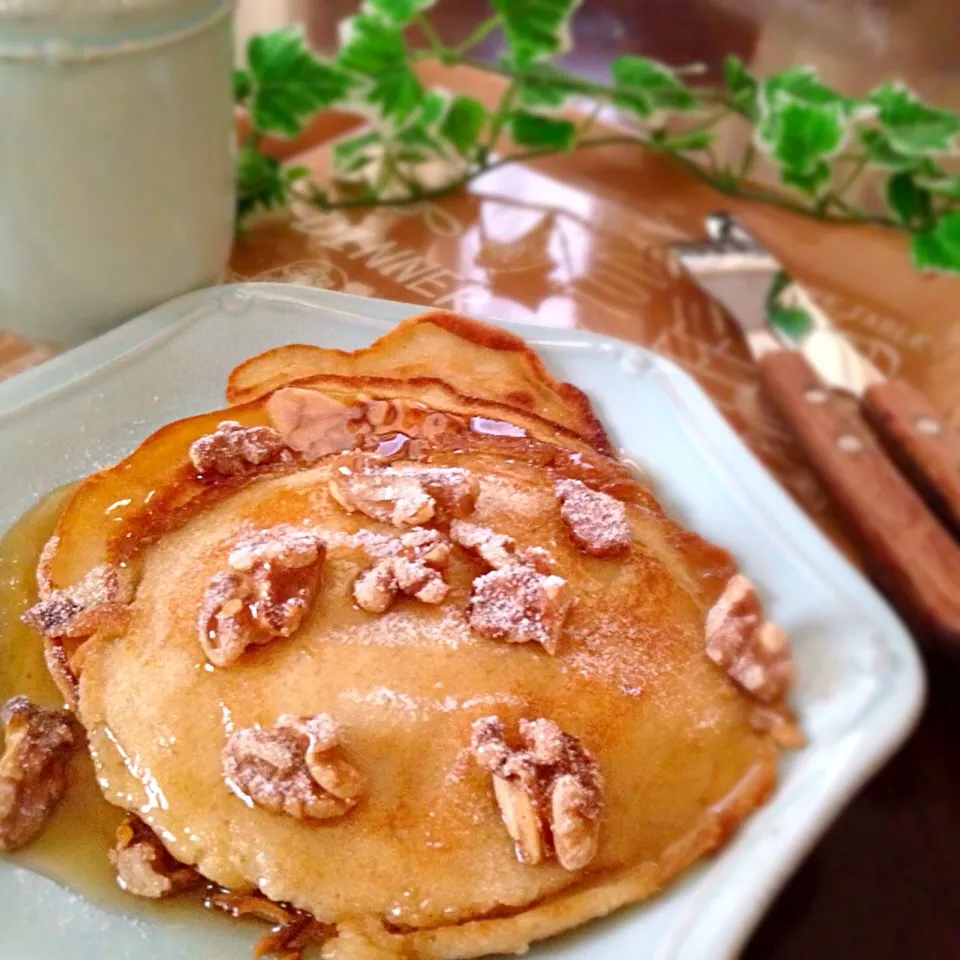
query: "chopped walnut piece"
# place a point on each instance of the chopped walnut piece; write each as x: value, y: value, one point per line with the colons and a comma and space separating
x: 94, y: 602
x: 144, y: 866
x: 271, y: 582
x: 33, y: 769
x: 519, y: 604
x: 497, y: 550
x: 778, y: 722
x: 233, y: 448
x: 295, y: 768
x: 597, y: 522
x: 404, y: 497
x: 414, y: 569
x: 376, y: 588
x: 402, y: 502
x: 753, y: 651
x: 550, y: 791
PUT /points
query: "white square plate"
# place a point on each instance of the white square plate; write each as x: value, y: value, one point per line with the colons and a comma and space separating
x: 861, y: 685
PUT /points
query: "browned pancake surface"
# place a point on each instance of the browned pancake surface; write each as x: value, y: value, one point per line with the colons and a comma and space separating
x: 427, y: 846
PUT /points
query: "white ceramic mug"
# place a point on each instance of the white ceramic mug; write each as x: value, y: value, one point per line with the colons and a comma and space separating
x: 116, y: 149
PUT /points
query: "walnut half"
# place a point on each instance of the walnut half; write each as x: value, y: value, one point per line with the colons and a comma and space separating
x: 754, y: 652
x: 549, y: 791
x: 145, y: 868
x: 271, y: 582
x: 33, y: 770
x: 295, y: 768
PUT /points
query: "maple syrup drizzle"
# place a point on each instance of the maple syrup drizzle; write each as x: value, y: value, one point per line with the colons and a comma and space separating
x: 72, y: 850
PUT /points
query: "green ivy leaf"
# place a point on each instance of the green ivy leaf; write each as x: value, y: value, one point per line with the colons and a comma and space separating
x: 377, y: 52
x: 948, y: 231
x: 801, y: 84
x: 543, y: 85
x: 781, y: 280
x: 288, y: 83
x: 534, y: 29
x: 939, y: 248
x: 410, y: 155
x: 345, y: 151
x: 242, y: 86
x: 464, y: 123
x: 793, y: 321
x: 398, y: 94
x: 295, y: 173
x: 536, y: 130
x: 259, y: 181
x: 929, y: 253
x: 396, y: 12
x: 910, y: 126
x: 909, y: 201
x: 806, y: 181
x: 432, y: 108
x: 354, y: 164
x: 799, y: 135
x: 880, y: 152
x: 418, y: 136
x: 643, y: 86
x: 741, y: 86
x: 942, y: 186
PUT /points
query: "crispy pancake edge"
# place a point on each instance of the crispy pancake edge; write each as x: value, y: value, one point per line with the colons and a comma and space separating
x: 239, y: 389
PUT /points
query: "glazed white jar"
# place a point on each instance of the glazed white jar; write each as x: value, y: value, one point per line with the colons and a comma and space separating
x: 116, y: 159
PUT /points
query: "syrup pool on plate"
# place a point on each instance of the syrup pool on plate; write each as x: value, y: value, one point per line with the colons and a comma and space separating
x: 72, y: 850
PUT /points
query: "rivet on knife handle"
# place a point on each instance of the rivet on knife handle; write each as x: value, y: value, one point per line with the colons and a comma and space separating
x: 909, y: 553
x: 924, y: 447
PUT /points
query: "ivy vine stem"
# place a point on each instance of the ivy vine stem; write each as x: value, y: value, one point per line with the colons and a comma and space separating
x: 757, y: 194
x: 435, y: 43
x: 480, y: 32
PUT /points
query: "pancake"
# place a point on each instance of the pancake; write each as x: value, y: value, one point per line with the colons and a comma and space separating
x: 478, y: 361
x: 448, y: 692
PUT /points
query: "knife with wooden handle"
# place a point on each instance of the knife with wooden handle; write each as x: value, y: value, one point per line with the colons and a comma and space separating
x: 909, y: 552
x: 922, y: 445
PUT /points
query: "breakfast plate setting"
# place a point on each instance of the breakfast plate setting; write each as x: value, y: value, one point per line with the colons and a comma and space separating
x: 333, y: 628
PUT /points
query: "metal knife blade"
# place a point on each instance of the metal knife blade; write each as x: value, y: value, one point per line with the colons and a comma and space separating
x: 736, y: 271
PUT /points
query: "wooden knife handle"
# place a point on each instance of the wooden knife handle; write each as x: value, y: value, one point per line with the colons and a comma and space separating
x: 908, y: 552
x: 922, y: 445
